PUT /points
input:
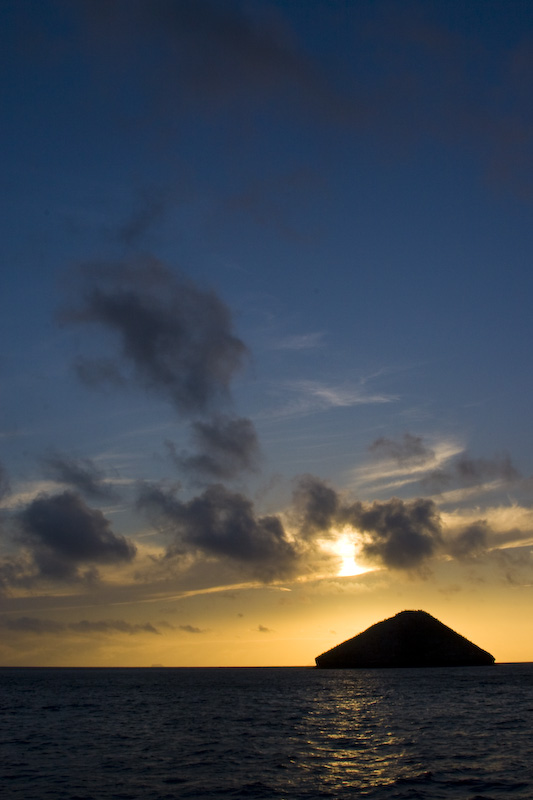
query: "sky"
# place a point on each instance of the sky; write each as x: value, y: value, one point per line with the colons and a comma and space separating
x: 266, y: 326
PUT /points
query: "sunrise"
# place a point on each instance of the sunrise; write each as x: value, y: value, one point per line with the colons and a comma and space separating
x: 265, y: 384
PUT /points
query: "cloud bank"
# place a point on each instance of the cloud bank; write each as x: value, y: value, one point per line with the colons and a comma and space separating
x: 39, y: 625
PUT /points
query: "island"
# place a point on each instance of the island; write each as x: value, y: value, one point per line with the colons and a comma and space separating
x: 409, y: 639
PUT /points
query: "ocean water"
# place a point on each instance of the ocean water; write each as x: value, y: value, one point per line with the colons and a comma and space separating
x: 163, y: 734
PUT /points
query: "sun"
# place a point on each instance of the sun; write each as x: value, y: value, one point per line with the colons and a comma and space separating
x: 345, y: 547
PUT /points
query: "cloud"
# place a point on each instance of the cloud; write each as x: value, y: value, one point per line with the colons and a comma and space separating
x: 38, y: 625
x: 111, y: 626
x: 338, y: 396
x: 224, y: 448
x: 414, y: 76
x: 316, y: 504
x: 502, y: 517
x: 403, y: 535
x: 81, y: 473
x: 15, y: 571
x: 436, y: 468
x: 33, y: 625
x: 311, y: 397
x: 263, y: 629
x: 471, y: 541
x: 207, y: 52
x: 503, y: 527
x: 398, y: 534
x: 427, y: 79
x: 468, y: 471
x: 409, y: 450
x: 190, y: 629
x: 173, y: 338
x: 62, y: 533
x: 224, y: 524
x: 304, y: 341
x: 475, y: 470
x: 5, y: 487
x: 218, y: 523
x: 395, y: 534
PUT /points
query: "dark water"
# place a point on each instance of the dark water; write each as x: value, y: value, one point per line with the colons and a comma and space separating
x: 96, y: 734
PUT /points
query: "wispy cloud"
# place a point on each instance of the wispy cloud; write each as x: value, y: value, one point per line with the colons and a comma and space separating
x: 393, y: 472
x: 23, y: 494
x: 311, y: 397
x: 467, y: 495
x: 514, y: 518
x: 443, y: 469
x: 304, y: 341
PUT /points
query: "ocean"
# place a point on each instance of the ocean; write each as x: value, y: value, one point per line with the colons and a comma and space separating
x: 164, y: 734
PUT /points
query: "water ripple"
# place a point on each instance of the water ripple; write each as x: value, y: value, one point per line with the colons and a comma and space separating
x: 281, y: 734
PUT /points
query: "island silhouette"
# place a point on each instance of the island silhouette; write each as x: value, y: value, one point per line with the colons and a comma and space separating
x: 409, y: 639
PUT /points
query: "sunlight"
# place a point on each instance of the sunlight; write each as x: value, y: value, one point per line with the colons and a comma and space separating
x: 345, y: 547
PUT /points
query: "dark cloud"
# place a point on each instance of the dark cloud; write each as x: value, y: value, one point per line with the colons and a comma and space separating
x: 208, y: 52
x: 478, y: 542
x: 34, y: 625
x: 477, y: 470
x: 224, y: 524
x: 111, y: 626
x: 63, y: 533
x: 398, y: 534
x: 427, y: 79
x: 469, y: 471
x: 190, y: 629
x: 470, y: 542
x: 410, y: 450
x: 16, y: 571
x: 512, y: 535
x: 224, y: 448
x: 174, y: 338
x: 80, y: 473
x: 414, y: 74
x: 316, y: 505
x: 263, y: 629
x: 38, y: 625
x: 437, y: 480
x: 5, y: 487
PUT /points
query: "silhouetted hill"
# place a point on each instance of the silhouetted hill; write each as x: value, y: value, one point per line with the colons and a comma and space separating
x: 410, y: 639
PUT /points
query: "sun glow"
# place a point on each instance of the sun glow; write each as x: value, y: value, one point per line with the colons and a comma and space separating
x: 345, y: 547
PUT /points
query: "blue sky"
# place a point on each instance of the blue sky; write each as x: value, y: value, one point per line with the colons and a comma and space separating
x: 265, y: 269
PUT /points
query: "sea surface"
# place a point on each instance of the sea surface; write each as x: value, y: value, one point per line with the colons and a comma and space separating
x: 162, y: 734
